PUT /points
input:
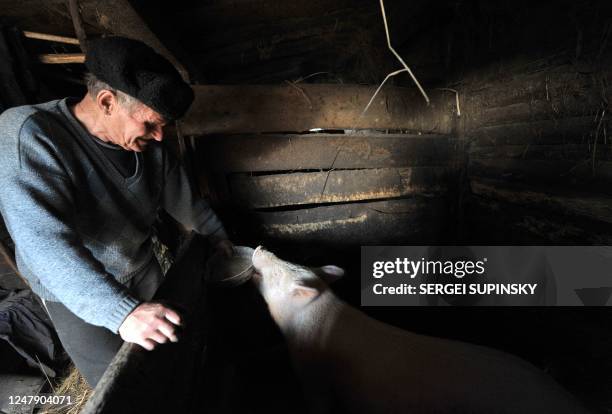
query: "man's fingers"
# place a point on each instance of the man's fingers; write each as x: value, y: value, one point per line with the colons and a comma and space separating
x: 172, y: 316
x: 225, y: 247
x: 147, y: 344
x: 158, y: 337
x: 167, y: 329
x: 150, y: 324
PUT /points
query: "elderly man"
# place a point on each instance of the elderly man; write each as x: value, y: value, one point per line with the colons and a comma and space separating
x: 80, y: 195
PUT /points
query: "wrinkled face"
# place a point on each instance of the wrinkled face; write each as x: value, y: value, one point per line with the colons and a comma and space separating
x: 134, y: 128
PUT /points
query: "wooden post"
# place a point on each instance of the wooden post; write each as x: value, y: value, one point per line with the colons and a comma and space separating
x: 163, y: 380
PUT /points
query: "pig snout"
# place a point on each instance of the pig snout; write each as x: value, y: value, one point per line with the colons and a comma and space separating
x: 262, y: 258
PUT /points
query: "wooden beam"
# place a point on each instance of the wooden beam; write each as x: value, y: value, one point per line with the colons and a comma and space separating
x: 595, y: 207
x: 77, y: 22
x: 553, y: 94
x: 120, y: 18
x: 163, y: 380
x: 543, y: 171
x: 417, y: 219
x: 561, y: 152
x: 61, y: 58
x: 336, y: 186
x: 302, y: 107
x: 493, y: 222
x: 50, y: 37
x: 573, y: 130
x: 251, y: 153
x: 553, y: 84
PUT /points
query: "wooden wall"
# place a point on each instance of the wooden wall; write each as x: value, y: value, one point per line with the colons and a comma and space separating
x: 533, y: 142
x: 345, y: 179
x: 333, y: 189
x: 540, y: 157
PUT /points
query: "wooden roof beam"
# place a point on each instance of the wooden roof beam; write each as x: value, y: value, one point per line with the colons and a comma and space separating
x: 302, y: 107
x: 120, y: 18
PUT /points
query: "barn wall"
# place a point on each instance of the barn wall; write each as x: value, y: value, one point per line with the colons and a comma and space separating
x: 303, y: 164
x: 540, y: 157
x: 533, y: 142
x: 336, y: 189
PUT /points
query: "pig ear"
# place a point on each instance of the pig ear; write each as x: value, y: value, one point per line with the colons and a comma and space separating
x: 329, y: 273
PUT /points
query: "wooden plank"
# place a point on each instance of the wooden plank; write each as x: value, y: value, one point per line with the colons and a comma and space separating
x: 50, y: 37
x: 61, y: 58
x: 541, y: 110
x: 13, y: 384
x: 120, y: 18
x: 519, y: 112
x: 77, y: 22
x: 493, y: 221
x: 551, y: 94
x: 301, y: 107
x: 572, y: 130
x: 596, y: 207
x: 163, y: 380
x: 567, y: 152
x: 415, y: 219
x: 253, y: 153
x: 541, y: 170
x: 555, y: 84
x: 545, y: 171
x: 336, y: 186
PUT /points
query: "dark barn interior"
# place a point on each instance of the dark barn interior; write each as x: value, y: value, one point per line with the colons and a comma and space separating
x: 511, y: 150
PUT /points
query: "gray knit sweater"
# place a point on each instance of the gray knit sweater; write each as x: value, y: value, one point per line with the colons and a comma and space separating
x: 82, y: 230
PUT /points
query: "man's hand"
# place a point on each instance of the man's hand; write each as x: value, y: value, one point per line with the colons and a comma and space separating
x: 150, y: 324
x: 225, y: 247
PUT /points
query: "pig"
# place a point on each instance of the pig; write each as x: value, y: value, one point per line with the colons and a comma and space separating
x: 352, y: 363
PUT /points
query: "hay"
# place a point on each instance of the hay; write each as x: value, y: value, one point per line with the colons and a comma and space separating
x: 397, y: 72
x: 162, y: 254
x: 74, y: 386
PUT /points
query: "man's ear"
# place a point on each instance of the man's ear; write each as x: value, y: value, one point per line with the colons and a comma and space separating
x: 107, y: 101
x: 329, y: 273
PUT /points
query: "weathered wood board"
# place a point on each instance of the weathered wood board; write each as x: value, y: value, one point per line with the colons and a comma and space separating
x: 538, y: 157
x: 552, y: 83
x: 543, y: 171
x: 163, y: 380
x: 573, y: 204
x: 417, y: 219
x: 302, y: 107
x: 336, y: 186
x: 495, y: 221
x: 557, y: 93
x: 573, y: 130
x: 559, y: 152
x: 254, y: 153
x: 540, y: 110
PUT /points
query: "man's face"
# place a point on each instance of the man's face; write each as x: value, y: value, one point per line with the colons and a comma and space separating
x: 133, y: 128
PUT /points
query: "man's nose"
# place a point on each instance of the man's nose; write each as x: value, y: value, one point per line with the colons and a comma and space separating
x: 157, y: 134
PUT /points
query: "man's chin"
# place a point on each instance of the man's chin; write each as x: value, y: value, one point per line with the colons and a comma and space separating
x: 139, y: 145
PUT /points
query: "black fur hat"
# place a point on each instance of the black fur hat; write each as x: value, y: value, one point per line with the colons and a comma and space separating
x: 134, y: 68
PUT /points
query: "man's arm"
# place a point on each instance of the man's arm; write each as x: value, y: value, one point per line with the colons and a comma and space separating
x: 37, y: 203
x: 180, y: 201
